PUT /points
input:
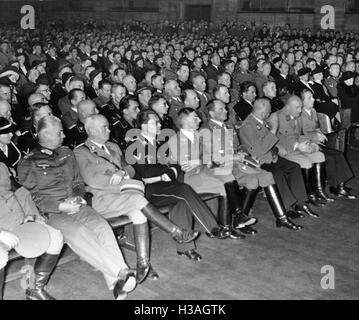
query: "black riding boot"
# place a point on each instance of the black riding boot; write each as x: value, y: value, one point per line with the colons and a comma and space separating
x: 2, y: 281
x: 308, y: 176
x: 43, y: 268
x: 225, y: 218
x: 178, y: 234
x: 142, y: 243
x: 249, y: 199
x: 276, y: 204
x: 236, y: 198
x: 320, y: 177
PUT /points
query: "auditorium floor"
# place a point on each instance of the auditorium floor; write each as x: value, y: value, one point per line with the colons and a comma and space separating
x: 274, y: 264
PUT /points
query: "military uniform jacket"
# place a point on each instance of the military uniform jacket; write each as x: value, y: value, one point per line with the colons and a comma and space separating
x: 289, y: 130
x: 175, y: 106
x: 151, y: 160
x: 100, y: 101
x: 27, y: 141
x: 183, y: 150
x: 219, y: 145
x: 118, y: 125
x: 97, y: 166
x: 202, y: 178
x: 258, y: 139
x: 75, y: 135
x: 51, y: 177
x: 309, y: 124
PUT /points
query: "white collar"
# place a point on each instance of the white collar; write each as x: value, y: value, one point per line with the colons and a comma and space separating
x: 260, y: 121
x: 221, y: 124
x: 149, y: 139
x: 5, y: 149
x: 308, y: 111
x: 101, y: 146
x: 248, y: 101
x: 188, y: 134
x: 283, y: 75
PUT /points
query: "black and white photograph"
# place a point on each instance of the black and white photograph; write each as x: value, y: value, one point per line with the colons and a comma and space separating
x: 179, y: 155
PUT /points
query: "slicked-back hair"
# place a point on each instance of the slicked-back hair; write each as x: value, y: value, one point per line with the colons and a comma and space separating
x: 154, y: 99
x: 183, y: 113
x: 103, y: 83
x: 73, y: 93
x: 244, y: 87
x: 144, y: 116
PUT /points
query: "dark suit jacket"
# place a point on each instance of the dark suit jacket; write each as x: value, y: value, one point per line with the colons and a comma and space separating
x: 243, y: 109
x: 299, y: 86
x: 213, y: 72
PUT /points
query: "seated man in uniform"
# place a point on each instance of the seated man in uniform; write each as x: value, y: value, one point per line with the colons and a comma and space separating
x: 105, y: 171
x: 222, y: 146
x: 163, y: 187
x: 77, y: 134
x: 186, y: 150
x: 337, y: 168
x: 17, y: 208
x: 70, y: 118
x: 299, y: 148
x: 52, y: 176
x: 262, y: 143
x: 28, y: 139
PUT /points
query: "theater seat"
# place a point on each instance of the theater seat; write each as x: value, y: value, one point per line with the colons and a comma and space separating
x: 125, y: 235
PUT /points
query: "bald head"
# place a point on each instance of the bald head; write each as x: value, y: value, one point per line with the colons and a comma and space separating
x: 86, y: 108
x: 294, y: 106
x: 262, y: 109
x: 97, y: 128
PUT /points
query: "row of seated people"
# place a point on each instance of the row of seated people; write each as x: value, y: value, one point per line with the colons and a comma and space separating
x: 203, y: 100
x: 53, y: 175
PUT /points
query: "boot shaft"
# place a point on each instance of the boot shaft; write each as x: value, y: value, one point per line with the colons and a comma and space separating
x: 152, y: 214
x: 249, y: 200
x: 235, y: 196
x: 224, y: 213
x: 2, y: 282
x: 142, y: 243
x: 275, y: 201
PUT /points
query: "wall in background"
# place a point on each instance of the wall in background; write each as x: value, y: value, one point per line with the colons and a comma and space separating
x: 159, y: 10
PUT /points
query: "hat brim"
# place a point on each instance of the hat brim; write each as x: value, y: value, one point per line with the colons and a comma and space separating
x: 12, y: 128
x: 8, y: 73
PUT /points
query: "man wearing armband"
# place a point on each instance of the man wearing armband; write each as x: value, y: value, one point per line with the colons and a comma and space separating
x: 163, y: 187
x: 107, y: 175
